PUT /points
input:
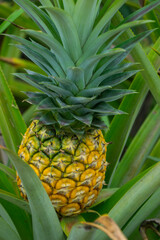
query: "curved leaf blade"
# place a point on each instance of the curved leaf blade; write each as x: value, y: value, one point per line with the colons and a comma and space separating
x: 69, y: 6
x: 116, y: 5
x: 83, y: 17
x: 139, y: 149
x: 150, y: 205
x: 9, y: 197
x: 10, y: 172
x: 142, y: 11
x: 7, y: 218
x: 67, y: 31
x: 128, y: 199
x: 119, y: 135
x: 6, y: 231
x: 53, y: 44
x: 10, y: 19
x: 13, y: 122
x: 45, y: 221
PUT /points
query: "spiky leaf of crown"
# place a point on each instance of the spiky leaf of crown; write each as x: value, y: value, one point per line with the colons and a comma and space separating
x: 80, y: 64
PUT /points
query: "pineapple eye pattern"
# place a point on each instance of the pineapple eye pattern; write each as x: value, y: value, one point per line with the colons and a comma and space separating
x: 72, y: 176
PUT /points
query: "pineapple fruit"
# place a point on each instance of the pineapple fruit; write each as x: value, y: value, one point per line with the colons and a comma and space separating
x: 72, y: 170
x: 64, y: 145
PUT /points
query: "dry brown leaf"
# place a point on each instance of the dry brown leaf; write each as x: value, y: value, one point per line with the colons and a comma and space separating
x: 108, y: 226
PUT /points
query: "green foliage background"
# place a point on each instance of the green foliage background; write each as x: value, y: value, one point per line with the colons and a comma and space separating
x: 132, y: 192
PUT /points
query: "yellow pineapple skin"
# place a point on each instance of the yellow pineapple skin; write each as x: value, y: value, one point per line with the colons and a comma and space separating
x: 72, y: 170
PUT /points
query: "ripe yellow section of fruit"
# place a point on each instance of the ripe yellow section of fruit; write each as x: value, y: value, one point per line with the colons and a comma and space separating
x: 71, y: 169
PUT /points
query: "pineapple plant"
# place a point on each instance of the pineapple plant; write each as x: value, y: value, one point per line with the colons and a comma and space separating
x: 128, y: 199
x: 64, y: 145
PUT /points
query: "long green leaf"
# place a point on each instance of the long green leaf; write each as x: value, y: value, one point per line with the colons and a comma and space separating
x: 127, y: 45
x: 80, y: 232
x: 156, y: 150
x: 139, y: 149
x: 40, y: 55
x: 156, y: 24
x: 45, y: 221
x: 109, y: 73
x: 67, y: 31
x: 68, y: 222
x: 38, y: 16
x: 69, y: 6
x: 116, y: 5
x: 90, y: 63
x: 119, y: 135
x: 19, y: 63
x: 10, y: 19
x: 6, y: 232
x: 127, y: 206
x: 6, y: 183
x: 83, y: 17
x: 142, y: 11
x: 9, y: 197
x: 129, y: 198
x: 46, y: 3
x: 6, y: 10
x: 18, y: 214
x: 28, y: 114
x: 149, y: 206
x: 90, y: 49
x: 58, y: 3
x: 57, y: 48
x: 150, y: 75
x: 11, y: 114
x: 10, y: 172
x: 104, y: 195
x: 8, y: 50
x: 6, y: 217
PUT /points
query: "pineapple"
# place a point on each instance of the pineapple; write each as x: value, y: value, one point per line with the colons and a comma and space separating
x: 72, y: 169
x: 64, y: 145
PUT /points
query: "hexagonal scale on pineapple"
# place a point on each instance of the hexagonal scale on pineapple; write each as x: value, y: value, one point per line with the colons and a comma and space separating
x: 51, y: 147
x: 40, y: 160
x: 44, y: 133
x: 58, y: 200
x: 81, y: 153
x: 70, y: 209
x: 69, y: 145
x: 28, y: 133
x: 35, y: 126
x: 24, y: 154
x: 51, y: 175
x: 64, y: 186
x: 92, y: 142
x: 103, y: 147
x: 74, y: 171
x: 78, y: 194
x: 104, y: 164
x: 97, y: 181
x: 94, y: 161
x: 32, y: 145
x: 61, y: 161
x: 87, y: 174
x: 90, y: 198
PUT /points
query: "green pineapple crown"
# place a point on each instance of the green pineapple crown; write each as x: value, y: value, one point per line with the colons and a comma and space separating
x: 76, y: 48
